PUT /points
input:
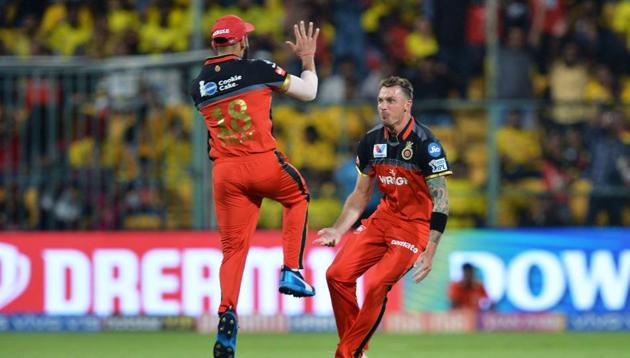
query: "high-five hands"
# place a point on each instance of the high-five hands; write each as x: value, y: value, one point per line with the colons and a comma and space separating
x: 305, y: 41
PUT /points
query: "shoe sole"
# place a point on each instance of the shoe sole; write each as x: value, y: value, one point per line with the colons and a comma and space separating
x: 226, y: 330
x: 294, y: 291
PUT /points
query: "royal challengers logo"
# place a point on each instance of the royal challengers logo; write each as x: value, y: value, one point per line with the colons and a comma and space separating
x: 407, y: 152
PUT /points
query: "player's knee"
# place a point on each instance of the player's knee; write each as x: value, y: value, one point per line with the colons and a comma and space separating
x: 233, y: 241
x: 333, y: 273
x: 375, y: 290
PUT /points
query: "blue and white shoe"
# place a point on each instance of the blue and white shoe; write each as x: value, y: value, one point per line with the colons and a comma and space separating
x: 292, y: 283
x: 225, y: 346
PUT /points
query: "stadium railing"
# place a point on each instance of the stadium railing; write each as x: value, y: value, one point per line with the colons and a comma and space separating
x: 116, y: 144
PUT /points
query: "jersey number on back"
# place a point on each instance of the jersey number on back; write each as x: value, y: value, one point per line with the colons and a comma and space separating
x: 238, y: 130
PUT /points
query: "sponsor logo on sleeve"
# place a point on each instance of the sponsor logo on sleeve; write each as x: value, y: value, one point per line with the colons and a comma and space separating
x: 380, y: 151
x: 438, y: 165
x: 207, y: 88
x: 434, y: 150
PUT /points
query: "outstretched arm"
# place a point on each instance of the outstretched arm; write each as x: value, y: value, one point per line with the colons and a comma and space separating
x: 439, y: 196
x: 304, y: 87
x: 352, y: 209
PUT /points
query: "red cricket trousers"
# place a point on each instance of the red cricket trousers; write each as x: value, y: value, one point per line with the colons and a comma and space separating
x: 240, y: 184
x: 391, y: 246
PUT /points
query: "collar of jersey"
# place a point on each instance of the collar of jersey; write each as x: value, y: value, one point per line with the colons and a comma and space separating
x: 221, y: 58
x: 405, y: 132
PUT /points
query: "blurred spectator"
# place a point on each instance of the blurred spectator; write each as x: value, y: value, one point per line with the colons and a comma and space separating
x: 143, y: 209
x: 121, y: 17
x: 449, y: 25
x: 13, y: 213
x: 608, y: 168
x: 557, y: 181
x: 10, y: 144
x: 349, y: 38
x: 548, y: 25
x: 475, y: 36
x: 519, y: 149
x: 393, y: 36
x: 369, y: 86
x: 342, y: 86
x: 567, y: 79
x: 514, y: 67
x: 421, y: 41
x: 598, y: 42
x: 574, y: 152
x: 621, y: 24
x: 71, y: 36
x: 68, y: 209
x: 602, y: 88
x: 516, y: 13
x: 316, y: 158
x: 22, y: 40
x: 468, y: 293
x: 431, y: 79
x: 156, y: 36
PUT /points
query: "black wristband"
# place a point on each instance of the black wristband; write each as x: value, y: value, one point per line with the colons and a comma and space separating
x: 438, y: 221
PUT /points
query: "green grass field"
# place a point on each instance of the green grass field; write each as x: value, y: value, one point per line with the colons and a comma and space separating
x: 513, y: 345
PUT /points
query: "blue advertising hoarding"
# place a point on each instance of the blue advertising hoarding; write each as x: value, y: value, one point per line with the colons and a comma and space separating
x: 572, y: 271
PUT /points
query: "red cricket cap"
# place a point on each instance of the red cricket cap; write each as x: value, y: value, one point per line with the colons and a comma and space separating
x: 231, y: 28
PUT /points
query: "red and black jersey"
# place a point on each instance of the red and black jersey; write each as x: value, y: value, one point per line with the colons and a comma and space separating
x: 401, y: 165
x: 234, y: 97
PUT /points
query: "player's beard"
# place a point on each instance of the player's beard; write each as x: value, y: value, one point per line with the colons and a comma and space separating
x: 246, y: 53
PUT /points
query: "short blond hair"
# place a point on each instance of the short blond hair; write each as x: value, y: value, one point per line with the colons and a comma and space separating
x: 401, y: 82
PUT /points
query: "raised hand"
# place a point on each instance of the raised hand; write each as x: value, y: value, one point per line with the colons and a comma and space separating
x: 305, y: 41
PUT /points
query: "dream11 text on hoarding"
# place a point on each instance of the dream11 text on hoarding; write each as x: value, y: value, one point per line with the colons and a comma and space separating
x: 176, y: 273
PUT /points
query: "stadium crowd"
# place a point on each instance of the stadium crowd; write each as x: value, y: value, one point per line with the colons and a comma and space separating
x: 113, y: 150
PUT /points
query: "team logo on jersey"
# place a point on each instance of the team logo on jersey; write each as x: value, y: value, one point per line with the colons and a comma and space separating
x: 434, y: 150
x: 380, y: 151
x: 207, y: 88
x: 438, y: 165
x: 217, y: 68
x: 407, y: 152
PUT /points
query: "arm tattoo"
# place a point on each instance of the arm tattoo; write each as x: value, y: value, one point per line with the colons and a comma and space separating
x: 435, y: 236
x: 439, y: 194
